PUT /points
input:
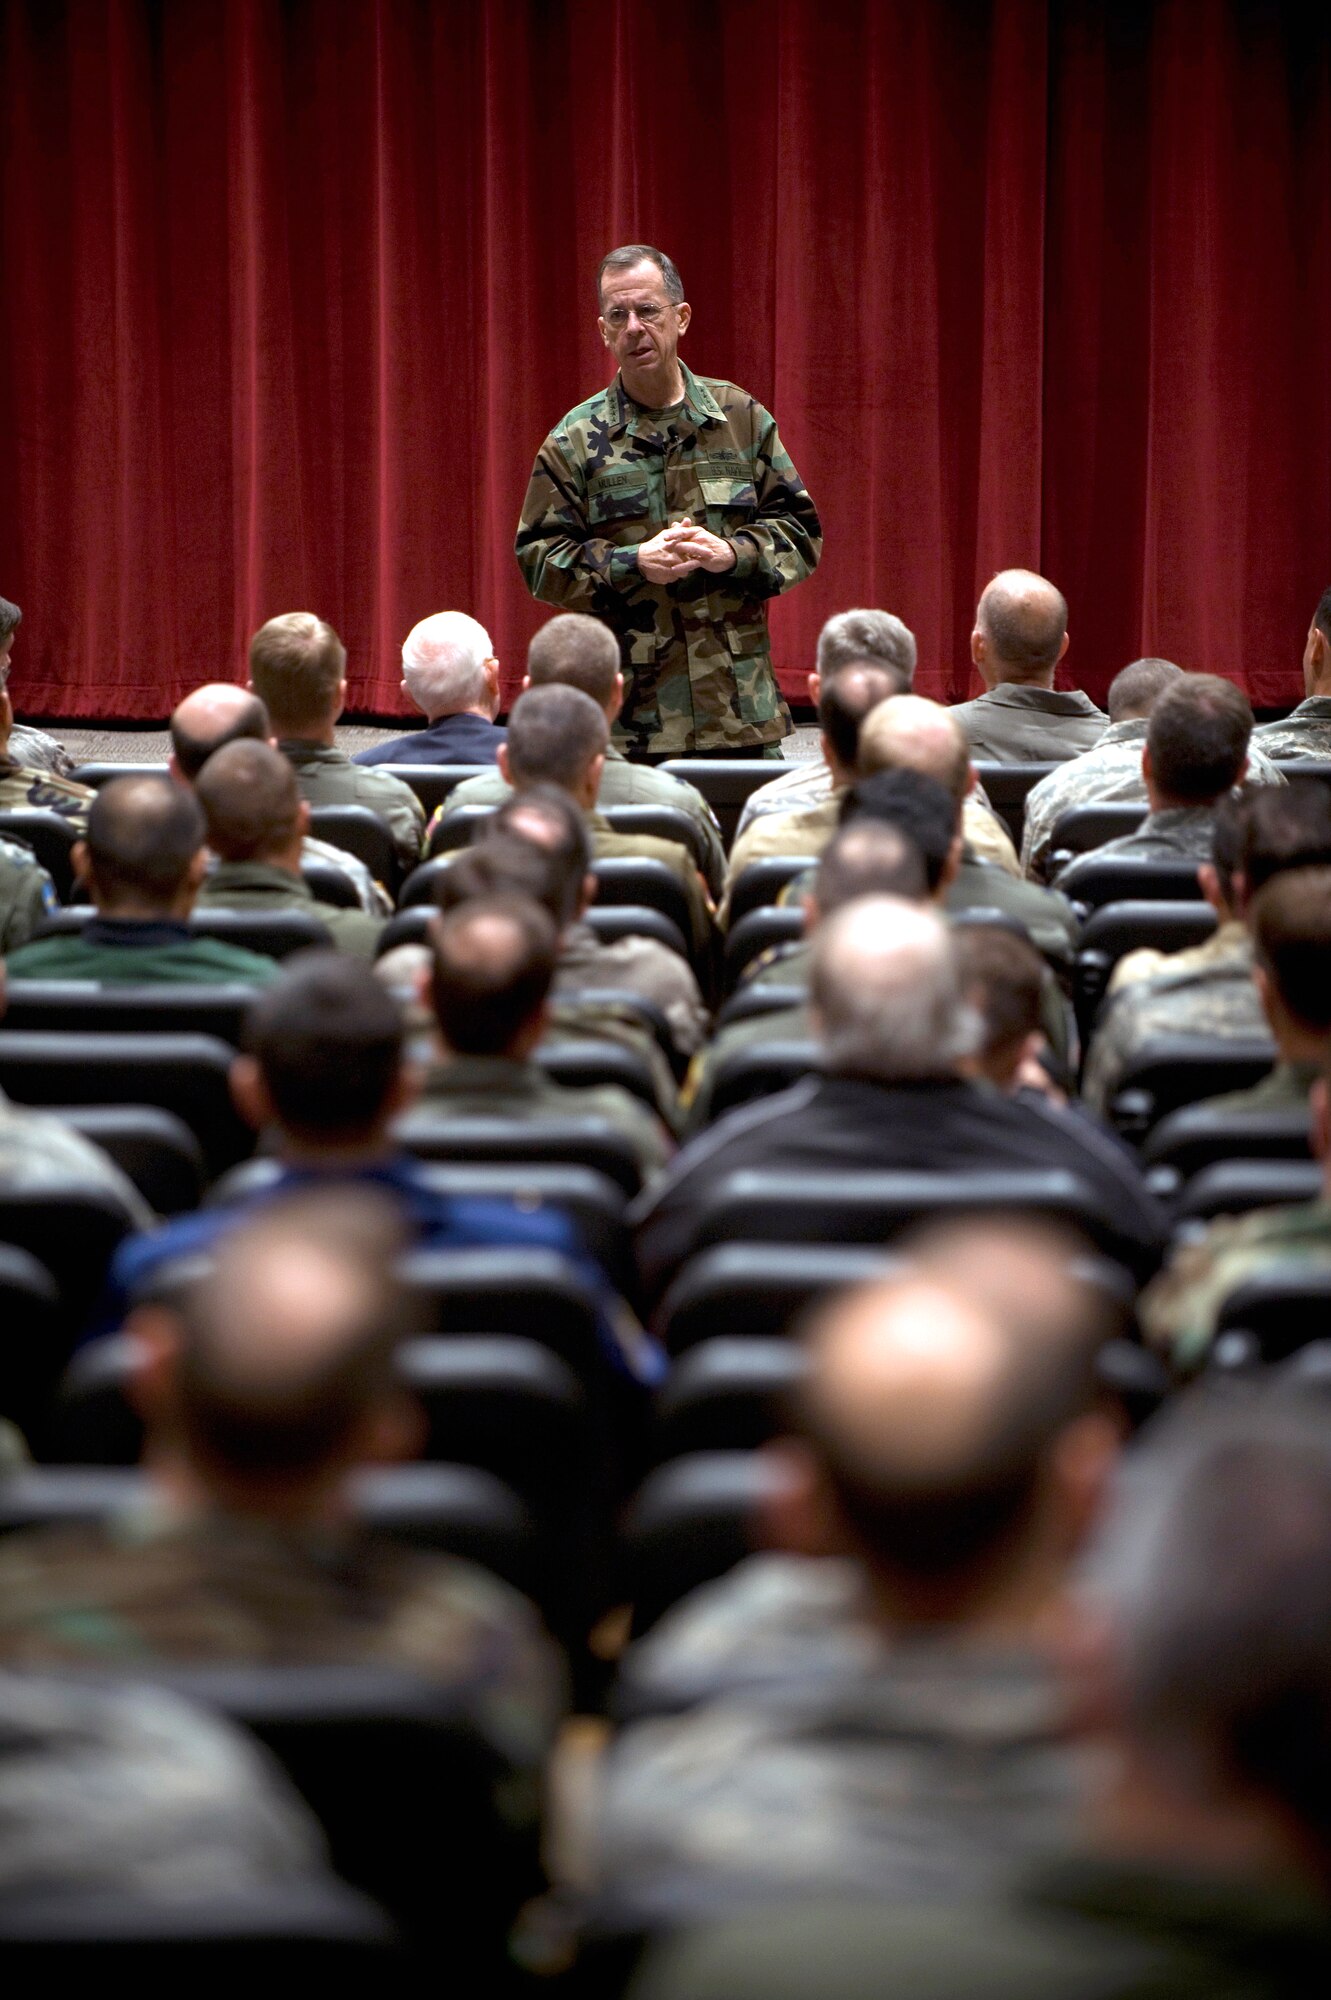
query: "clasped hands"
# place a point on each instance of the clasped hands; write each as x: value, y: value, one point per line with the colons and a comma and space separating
x: 680, y: 549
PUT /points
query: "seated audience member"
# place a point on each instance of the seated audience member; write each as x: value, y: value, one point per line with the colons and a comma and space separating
x: 450, y: 672
x: 573, y: 650
x: 1196, y: 751
x: 27, y: 894
x: 492, y: 970
x: 323, y: 1075
x: 31, y: 748
x: 912, y: 734
x: 1111, y: 773
x: 1004, y: 980
x: 37, y: 786
x: 1305, y: 734
x: 894, y: 1030
x: 873, y: 1711
x: 264, y: 1387
x: 860, y: 638
x: 558, y: 736
x: 257, y: 821
x: 298, y: 670
x: 142, y: 863
x: 1200, y: 1861
x: 1021, y: 634
x: 1290, y: 923
x: 1209, y: 989
x: 220, y: 713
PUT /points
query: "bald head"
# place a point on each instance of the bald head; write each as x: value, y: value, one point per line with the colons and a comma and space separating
x: 251, y: 802
x: 213, y: 715
x: 869, y: 858
x: 494, y: 960
x: 913, y: 734
x: 1021, y: 629
x: 886, y: 993
x: 144, y: 848
x: 845, y: 700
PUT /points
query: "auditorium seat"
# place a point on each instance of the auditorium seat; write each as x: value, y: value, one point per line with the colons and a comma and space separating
x: 98, y: 775
x: 581, y: 1065
x: 756, y: 1290
x: 187, y: 1074
x: 725, y: 783
x: 1233, y: 1187
x: 1197, y: 1136
x: 1083, y: 828
x: 692, y: 1520
x: 634, y: 879
x: 530, y: 1292
x: 1301, y: 767
x: 154, y: 1148
x: 361, y: 832
x: 72, y: 1229
x: 661, y: 822
x: 762, y: 930
x: 1006, y: 787
x: 1115, y: 929
x: 759, y: 1070
x: 648, y: 1012
x: 51, y: 838
x: 1281, y: 1311
x: 751, y: 1002
x: 1096, y: 879
x: 760, y: 884
x: 432, y: 783
x: 436, y: 1134
x: 313, y: 1932
x: 1172, y: 1070
x: 456, y: 829
x: 272, y: 933
x: 726, y: 1395
x: 621, y: 920
x: 32, y: 1338
x: 72, y: 1007
x: 329, y: 884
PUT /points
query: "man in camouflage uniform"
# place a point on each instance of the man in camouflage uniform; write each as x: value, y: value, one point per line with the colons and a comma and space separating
x: 573, y: 650
x: 27, y: 894
x: 1112, y: 771
x: 1290, y: 922
x: 29, y: 747
x: 298, y: 670
x: 24, y: 786
x: 1021, y: 634
x: 667, y: 506
x: 1196, y: 751
x: 1305, y: 734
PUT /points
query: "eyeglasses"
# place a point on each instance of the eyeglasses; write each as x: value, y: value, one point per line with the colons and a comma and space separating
x: 617, y: 317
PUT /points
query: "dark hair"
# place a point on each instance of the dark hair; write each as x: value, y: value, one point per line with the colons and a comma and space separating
x: 297, y: 663
x: 1134, y: 691
x: 1198, y: 738
x: 250, y: 800
x: 573, y: 650
x: 869, y: 858
x: 1291, y: 930
x: 1322, y: 615
x: 1285, y: 826
x: 10, y: 619
x: 493, y: 963
x: 192, y: 752
x: 1002, y: 975
x: 252, y: 1405
x: 553, y: 734
x: 1229, y: 825
x: 143, y: 833
x: 629, y: 254
x: 924, y: 810
x: 846, y: 698
x: 544, y: 816
x: 500, y: 865
x: 327, y: 1037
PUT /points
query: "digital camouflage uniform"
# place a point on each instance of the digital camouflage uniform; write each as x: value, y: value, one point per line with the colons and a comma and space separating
x: 38, y: 1150
x: 1304, y: 735
x: 1287, y: 1088
x: 327, y: 777
x: 1016, y: 724
x: 499, y: 1087
x: 257, y: 885
x: 37, y: 751
x: 1179, y: 1309
x: 697, y: 661
x: 27, y: 894
x: 622, y: 784
x: 1110, y: 773
x: 634, y: 965
x: 1208, y: 991
x: 29, y: 790
x: 810, y: 785
x: 1179, y: 833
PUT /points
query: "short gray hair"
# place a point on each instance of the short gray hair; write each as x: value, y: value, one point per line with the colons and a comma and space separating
x: 849, y: 636
x: 10, y: 619
x: 443, y: 662
x: 888, y: 993
x: 629, y: 254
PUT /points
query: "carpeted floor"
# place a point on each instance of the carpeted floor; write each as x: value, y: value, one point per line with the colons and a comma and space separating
x: 153, y: 746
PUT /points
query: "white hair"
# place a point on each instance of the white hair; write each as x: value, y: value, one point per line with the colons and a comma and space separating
x: 866, y: 635
x: 888, y: 992
x: 443, y: 663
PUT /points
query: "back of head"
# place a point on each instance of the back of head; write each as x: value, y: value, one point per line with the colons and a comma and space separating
x: 1002, y: 977
x: 1024, y: 620
x: 869, y: 858
x: 917, y: 805
x: 573, y: 650
x: 493, y: 962
x: 327, y: 1038
x: 10, y: 619
x: 1134, y: 691
x: 250, y: 800
x: 297, y: 665
x: 936, y: 1400
x: 500, y: 864
x: 213, y: 715
x: 865, y: 636
x: 286, y: 1348
x: 912, y: 734
x: 1291, y: 931
x: 1198, y: 738
x: 1285, y: 826
x: 1220, y: 1586
x: 143, y: 833
x: 443, y: 663
x: 846, y: 699
x: 553, y: 734
x: 544, y: 816
x: 886, y: 993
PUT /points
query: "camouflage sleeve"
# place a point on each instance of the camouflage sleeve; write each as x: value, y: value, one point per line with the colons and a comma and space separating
x: 1178, y: 1310
x: 561, y: 561
x: 27, y: 894
x: 782, y: 544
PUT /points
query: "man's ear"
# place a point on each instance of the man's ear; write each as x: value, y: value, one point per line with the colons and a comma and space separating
x: 303, y: 818
x: 815, y: 688
x: 1064, y: 647
x: 979, y: 646
x: 81, y: 862
x: 501, y: 758
x: 249, y: 1092
x: 952, y: 866
x: 1243, y: 772
x: 1208, y: 880
x: 1319, y: 1118
x: 799, y: 1514
x: 154, y: 1335
x: 595, y: 771
x: 198, y: 868
x: 589, y: 888
x: 972, y: 780
x: 1148, y: 769
x: 809, y: 905
x: 683, y: 313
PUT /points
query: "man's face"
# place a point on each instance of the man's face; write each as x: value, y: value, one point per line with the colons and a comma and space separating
x: 643, y: 347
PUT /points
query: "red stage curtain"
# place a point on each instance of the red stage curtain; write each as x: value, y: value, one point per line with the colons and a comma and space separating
x: 290, y: 294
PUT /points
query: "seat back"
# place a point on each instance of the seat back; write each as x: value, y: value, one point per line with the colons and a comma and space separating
x: 621, y: 920
x: 1006, y: 787
x: 1097, y: 879
x: 1171, y: 1070
x: 328, y: 884
x: 1233, y: 1187
x: 648, y: 1013
x: 761, y: 930
x: 97, y: 775
x: 361, y: 832
x: 725, y: 783
x: 726, y: 1395
x: 661, y: 822
x: 70, y: 1007
x: 762, y: 881
x: 1197, y: 1136
x: 1115, y: 929
x: 153, y: 1148
x: 582, y: 1065
x: 187, y: 1074
x: 71, y: 1229
x: 752, y: 1002
x: 693, y: 1519
x: 743, y: 1074
x: 1083, y: 828
x: 633, y: 878
x: 1282, y: 1311
x: 309, y: 1930
x: 456, y: 829
x: 272, y: 933
x: 433, y: 783
x: 32, y: 1339
x: 756, y: 1291
x: 593, y: 1143
x: 51, y: 838
x: 529, y: 1292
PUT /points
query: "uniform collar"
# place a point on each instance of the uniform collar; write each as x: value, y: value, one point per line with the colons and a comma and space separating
x: 300, y: 750
x: 261, y: 875
x: 1132, y: 731
x: 503, y: 1075
x: 1049, y: 701
x: 623, y: 414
